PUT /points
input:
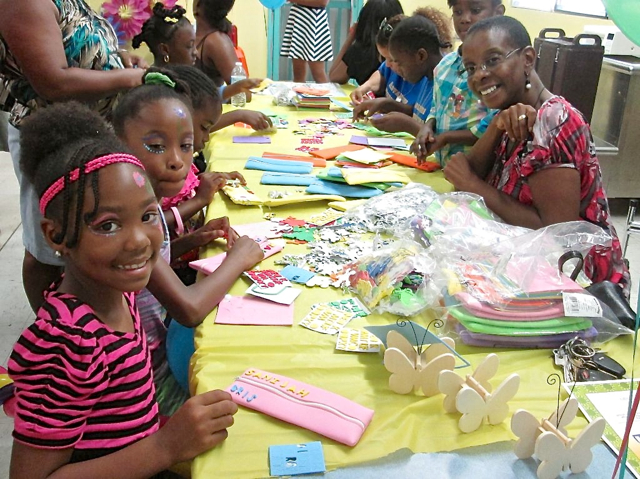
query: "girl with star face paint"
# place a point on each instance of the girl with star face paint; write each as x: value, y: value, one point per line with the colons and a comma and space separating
x: 155, y: 121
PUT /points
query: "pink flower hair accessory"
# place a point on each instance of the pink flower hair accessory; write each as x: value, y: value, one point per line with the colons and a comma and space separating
x: 91, y: 166
x: 130, y: 15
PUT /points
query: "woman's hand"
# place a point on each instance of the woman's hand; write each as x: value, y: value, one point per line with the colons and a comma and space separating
x: 517, y: 121
x: 459, y: 173
x: 130, y: 60
x: 255, y: 119
x: 199, y: 425
x: 245, y: 251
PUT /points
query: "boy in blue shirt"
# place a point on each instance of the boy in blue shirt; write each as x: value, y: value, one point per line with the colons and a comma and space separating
x: 457, y: 118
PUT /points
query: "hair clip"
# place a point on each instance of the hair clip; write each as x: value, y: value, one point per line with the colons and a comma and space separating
x: 157, y: 78
x: 385, y: 27
x: 171, y: 20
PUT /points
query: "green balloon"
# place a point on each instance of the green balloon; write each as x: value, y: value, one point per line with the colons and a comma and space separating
x: 626, y: 15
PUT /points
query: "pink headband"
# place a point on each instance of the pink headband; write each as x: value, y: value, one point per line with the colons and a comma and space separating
x: 93, y: 165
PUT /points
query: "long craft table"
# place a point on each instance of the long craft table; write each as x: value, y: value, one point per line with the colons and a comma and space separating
x: 411, y: 421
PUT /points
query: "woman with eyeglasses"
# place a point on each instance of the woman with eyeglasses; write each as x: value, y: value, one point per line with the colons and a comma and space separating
x: 536, y: 163
x: 358, y: 56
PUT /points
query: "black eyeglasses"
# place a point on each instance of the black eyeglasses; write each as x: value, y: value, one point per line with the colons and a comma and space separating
x: 490, y: 64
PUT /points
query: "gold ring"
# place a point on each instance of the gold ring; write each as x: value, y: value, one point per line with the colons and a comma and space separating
x: 522, y: 117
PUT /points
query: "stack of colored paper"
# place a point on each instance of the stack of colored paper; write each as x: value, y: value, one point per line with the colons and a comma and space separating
x: 302, y: 100
x: 516, y: 307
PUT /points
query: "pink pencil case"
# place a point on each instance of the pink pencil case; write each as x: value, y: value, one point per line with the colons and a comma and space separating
x: 484, y: 310
x: 209, y: 265
x: 307, y: 406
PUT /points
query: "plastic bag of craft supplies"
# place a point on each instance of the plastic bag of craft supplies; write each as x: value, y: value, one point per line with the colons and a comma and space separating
x: 525, y: 291
x: 400, y: 278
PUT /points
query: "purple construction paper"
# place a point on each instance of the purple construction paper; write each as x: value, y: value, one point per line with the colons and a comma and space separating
x: 359, y: 140
x: 251, y: 139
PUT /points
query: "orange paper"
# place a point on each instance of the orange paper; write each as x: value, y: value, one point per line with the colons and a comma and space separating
x: 311, y: 91
x: 413, y: 162
x: 331, y: 153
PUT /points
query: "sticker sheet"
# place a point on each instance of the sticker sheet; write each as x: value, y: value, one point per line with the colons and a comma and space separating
x: 357, y: 341
x: 327, y: 216
x: 326, y: 320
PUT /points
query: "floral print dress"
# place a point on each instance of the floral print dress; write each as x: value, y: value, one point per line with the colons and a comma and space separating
x: 562, y: 139
x: 89, y: 42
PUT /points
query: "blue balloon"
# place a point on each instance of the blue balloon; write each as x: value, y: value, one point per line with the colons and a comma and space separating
x: 626, y: 15
x: 273, y: 4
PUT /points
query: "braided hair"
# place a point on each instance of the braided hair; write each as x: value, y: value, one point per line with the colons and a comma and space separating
x: 215, y: 13
x: 161, y: 26
x: 136, y: 99
x: 417, y: 32
x: 202, y: 89
x: 56, y: 140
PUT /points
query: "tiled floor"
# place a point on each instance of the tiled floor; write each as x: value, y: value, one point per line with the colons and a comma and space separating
x: 15, y: 313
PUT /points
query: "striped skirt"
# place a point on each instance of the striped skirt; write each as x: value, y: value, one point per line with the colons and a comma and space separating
x: 307, y: 35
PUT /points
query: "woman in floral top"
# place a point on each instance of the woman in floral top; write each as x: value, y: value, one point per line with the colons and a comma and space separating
x: 50, y: 51
x: 536, y: 165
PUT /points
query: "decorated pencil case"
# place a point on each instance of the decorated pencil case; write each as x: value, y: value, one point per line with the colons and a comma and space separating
x: 241, y: 195
x: 322, y: 187
x: 286, y: 179
x: 485, y: 310
x: 295, y: 402
x: 279, y: 166
x: 301, y: 198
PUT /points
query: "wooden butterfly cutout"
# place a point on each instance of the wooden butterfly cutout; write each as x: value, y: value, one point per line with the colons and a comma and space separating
x: 527, y: 427
x: 411, y: 370
x: 450, y: 384
x: 558, y: 452
x: 477, y: 404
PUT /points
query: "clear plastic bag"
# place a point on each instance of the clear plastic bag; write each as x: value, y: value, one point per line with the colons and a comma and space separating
x: 401, y: 278
x: 283, y: 94
x: 393, y: 212
x: 460, y: 218
x: 512, y: 293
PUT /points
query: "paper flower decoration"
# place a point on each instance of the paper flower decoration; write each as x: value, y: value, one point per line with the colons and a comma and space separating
x: 130, y: 15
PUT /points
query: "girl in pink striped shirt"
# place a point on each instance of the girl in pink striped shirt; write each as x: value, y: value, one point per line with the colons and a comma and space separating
x: 84, y: 386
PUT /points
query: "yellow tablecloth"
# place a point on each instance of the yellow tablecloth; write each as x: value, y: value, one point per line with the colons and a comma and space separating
x: 223, y: 352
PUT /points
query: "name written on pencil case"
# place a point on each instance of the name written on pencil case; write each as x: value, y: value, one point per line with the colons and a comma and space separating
x: 286, y: 386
